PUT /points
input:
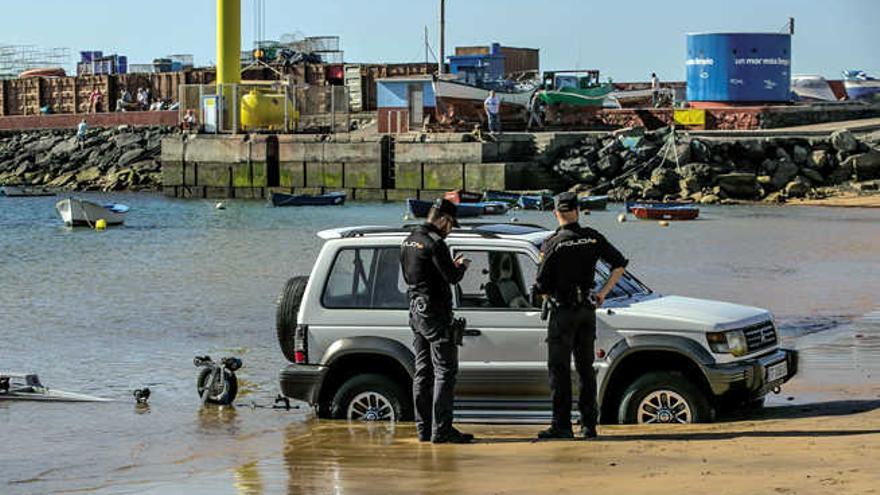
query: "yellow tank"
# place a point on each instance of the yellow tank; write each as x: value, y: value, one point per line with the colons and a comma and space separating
x: 265, y: 111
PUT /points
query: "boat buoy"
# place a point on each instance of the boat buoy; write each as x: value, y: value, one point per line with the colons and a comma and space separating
x: 101, y: 224
x: 407, y: 218
x: 220, y: 205
x: 514, y: 220
x: 663, y: 223
x: 621, y: 218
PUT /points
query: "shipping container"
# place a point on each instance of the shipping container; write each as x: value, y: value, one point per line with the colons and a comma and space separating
x: 738, y: 67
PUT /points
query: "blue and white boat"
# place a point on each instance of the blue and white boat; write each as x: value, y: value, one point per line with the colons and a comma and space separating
x: 860, y: 86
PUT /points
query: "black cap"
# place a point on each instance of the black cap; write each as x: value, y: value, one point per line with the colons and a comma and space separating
x: 567, y: 201
x: 447, y: 207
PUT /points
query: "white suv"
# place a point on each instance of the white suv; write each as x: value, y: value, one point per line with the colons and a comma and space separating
x: 659, y: 358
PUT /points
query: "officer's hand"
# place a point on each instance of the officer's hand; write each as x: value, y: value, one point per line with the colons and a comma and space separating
x: 460, y: 260
x: 600, y: 298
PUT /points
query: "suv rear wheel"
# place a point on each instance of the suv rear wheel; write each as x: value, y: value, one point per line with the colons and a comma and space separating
x: 663, y: 397
x: 370, y: 397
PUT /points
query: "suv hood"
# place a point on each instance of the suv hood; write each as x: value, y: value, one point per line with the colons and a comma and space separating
x: 658, y: 312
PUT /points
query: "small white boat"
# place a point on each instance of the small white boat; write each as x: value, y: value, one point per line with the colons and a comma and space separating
x: 79, y: 212
x: 27, y: 386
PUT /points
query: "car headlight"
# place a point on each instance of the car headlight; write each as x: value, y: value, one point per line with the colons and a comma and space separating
x: 731, y: 342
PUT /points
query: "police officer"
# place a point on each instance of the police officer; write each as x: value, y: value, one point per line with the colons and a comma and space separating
x: 429, y: 270
x: 565, y: 278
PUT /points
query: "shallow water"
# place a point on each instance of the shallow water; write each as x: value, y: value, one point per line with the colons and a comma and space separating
x: 105, y: 313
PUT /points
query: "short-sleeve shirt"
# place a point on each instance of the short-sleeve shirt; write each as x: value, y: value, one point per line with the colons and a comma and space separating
x: 493, y: 104
x: 568, y: 260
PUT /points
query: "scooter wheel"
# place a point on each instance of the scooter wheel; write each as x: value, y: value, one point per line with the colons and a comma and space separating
x: 223, y: 389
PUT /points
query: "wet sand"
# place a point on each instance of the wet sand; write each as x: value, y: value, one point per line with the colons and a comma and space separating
x: 798, y: 449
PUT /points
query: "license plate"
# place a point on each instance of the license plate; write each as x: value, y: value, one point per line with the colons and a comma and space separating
x: 777, y: 371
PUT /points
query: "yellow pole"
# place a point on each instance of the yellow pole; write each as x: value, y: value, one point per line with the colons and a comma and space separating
x: 228, y: 41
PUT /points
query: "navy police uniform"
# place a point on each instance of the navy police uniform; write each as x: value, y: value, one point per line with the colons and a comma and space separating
x: 566, y: 275
x: 429, y: 271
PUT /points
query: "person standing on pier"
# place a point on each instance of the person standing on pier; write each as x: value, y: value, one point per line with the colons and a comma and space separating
x: 655, y: 89
x: 492, y: 105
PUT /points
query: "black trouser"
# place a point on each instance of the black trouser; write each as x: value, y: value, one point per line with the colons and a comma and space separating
x: 572, y: 330
x: 433, y: 385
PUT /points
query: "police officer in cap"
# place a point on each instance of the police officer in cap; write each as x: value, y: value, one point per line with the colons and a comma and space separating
x: 429, y: 271
x: 566, y: 279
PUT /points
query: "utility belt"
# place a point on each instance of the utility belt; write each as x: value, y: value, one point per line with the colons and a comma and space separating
x: 578, y: 298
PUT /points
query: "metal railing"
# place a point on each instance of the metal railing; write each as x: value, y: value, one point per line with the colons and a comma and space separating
x: 264, y: 107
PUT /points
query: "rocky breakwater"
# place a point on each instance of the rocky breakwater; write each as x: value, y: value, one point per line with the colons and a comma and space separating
x: 116, y: 159
x: 638, y: 165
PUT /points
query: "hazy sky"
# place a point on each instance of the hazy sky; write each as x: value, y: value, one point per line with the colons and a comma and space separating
x: 624, y: 39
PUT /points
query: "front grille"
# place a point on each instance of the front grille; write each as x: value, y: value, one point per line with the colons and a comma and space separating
x: 760, y: 336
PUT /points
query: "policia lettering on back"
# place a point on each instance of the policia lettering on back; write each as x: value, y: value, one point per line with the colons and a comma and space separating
x: 566, y: 276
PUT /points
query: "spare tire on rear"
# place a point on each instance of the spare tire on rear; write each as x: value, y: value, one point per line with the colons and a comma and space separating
x: 285, y: 317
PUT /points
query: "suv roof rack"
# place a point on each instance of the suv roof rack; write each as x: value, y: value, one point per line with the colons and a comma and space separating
x: 481, y: 229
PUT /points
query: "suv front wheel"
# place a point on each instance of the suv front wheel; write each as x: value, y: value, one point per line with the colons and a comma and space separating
x: 370, y: 397
x: 663, y: 397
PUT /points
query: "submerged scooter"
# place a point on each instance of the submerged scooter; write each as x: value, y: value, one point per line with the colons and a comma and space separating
x: 217, y: 383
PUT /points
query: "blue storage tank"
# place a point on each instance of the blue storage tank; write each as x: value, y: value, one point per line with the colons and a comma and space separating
x: 738, y: 67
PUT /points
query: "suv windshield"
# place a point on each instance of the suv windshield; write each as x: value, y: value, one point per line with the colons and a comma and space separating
x: 626, y: 287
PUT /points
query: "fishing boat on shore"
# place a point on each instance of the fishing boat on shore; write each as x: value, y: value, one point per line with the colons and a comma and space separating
x: 27, y: 386
x: 419, y: 208
x: 860, y: 86
x: 458, y: 100
x: 644, y: 212
x: 23, y: 191
x: 328, y: 199
x: 79, y: 212
x: 579, y: 88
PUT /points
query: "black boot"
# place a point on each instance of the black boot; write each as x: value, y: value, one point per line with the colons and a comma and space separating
x: 588, y: 432
x: 454, y: 436
x: 555, y: 433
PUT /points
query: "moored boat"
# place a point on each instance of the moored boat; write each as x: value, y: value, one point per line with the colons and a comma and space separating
x: 328, y: 199
x: 593, y: 202
x: 79, y: 212
x: 419, y: 208
x: 22, y: 191
x: 535, y: 202
x: 653, y: 204
x: 643, y: 212
x: 461, y: 196
x: 511, y: 198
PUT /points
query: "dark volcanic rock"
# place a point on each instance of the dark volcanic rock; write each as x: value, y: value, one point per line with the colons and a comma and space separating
x: 739, y: 185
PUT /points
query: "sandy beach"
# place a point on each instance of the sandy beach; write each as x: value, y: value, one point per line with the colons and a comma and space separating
x: 828, y: 448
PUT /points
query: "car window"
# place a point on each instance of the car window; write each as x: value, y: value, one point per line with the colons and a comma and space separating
x: 365, y: 278
x: 627, y: 286
x: 496, y: 279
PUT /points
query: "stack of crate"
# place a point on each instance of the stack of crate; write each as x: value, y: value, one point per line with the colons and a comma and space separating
x: 59, y: 93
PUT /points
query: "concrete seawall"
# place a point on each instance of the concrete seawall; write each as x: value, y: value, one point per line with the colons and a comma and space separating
x: 371, y: 168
